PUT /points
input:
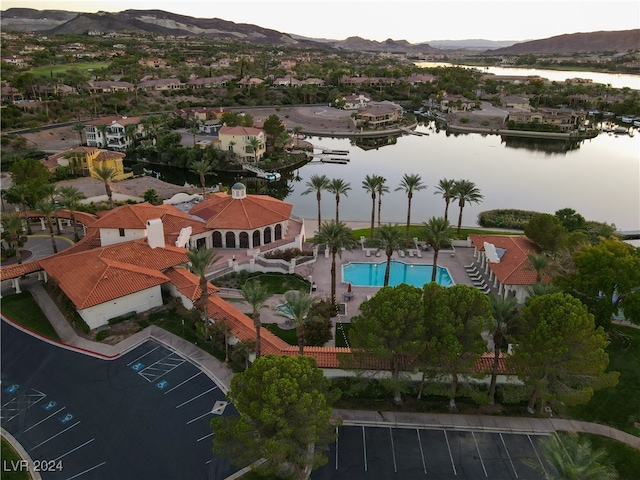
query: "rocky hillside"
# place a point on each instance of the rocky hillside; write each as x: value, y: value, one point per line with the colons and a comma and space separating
x: 577, y: 42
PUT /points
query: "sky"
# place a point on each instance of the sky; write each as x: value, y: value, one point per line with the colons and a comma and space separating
x: 413, y: 20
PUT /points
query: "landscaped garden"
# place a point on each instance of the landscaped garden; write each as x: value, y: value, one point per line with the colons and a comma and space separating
x: 23, y: 309
x: 276, y: 283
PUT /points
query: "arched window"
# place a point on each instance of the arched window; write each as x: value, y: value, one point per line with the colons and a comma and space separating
x: 244, y: 240
x: 201, y: 242
x: 217, y: 240
x: 230, y: 240
x: 267, y: 235
x: 256, y: 238
x: 277, y: 231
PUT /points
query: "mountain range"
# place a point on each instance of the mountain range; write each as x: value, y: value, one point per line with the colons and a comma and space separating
x: 159, y: 22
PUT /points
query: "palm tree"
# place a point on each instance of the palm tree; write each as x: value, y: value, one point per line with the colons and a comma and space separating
x: 298, y: 307
x: 388, y: 238
x: 78, y: 127
x: 255, y: 145
x: 102, y: 130
x: 381, y: 190
x: 317, y: 183
x: 71, y: 197
x: 370, y: 185
x: 202, y: 168
x: 281, y: 141
x: 20, y: 193
x: 13, y: 234
x: 107, y: 175
x: 335, y: 236
x: 130, y: 131
x: 438, y: 232
x: 48, y: 210
x: 503, y: 315
x: 296, y: 133
x: 573, y: 459
x: 410, y: 183
x: 50, y: 192
x: 256, y: 296
x: 199, y: 261
x: 466, y: 192
x: 446, y: 188
x: 539, y: 263
x: 338, y: 187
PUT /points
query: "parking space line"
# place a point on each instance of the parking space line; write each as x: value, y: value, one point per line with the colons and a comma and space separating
x: 156, y: 370
x: 198, y: 418
x: 364, y: 447
x: 197, y: 396
x: 206, y: 436
x: 182, y: 383
x: 36, y: 424
x: 131, y: 363
x: 424, y: 465
x: 71, y: 451
x: 337, y: 438
x: 536, y: 452
x: 479, y: 454
x: 59, y: 433
x: 86, y: 471
x: 508, y: 455
x: 450, y: 454
x: 19, y: 400
x: 393, y: 451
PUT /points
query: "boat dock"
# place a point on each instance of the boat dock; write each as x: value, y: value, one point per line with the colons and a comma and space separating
x: 413, y: 132
x: 261, y: 173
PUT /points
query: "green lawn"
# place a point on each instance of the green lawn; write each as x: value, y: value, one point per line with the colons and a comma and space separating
x: 279, y: 283
x: 10, y: 457
x: 23, y: 309
x: 618, y: 406
x: 288, y: 335
x: 55, y: 69
x: 415, y: 231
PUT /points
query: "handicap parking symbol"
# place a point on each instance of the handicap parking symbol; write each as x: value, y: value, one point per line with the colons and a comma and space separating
x: 49, y: 405
x: 138, y: 366
x: 12, y: 388
x: 162, y: 384
x: 66, y: 419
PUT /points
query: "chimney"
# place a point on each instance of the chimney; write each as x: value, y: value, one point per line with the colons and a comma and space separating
x: 155, y: 233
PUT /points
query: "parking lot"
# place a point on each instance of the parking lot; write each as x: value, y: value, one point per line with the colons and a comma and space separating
x: 384, y: 453
x: 144, y: 415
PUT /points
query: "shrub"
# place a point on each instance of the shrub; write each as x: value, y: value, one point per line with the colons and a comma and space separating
x: 121, y: 318
x: 464, y: 119
x: 101, y: 335
x: 506, y: 218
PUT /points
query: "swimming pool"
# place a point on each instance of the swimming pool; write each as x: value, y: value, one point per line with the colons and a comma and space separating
x: 372, y: 274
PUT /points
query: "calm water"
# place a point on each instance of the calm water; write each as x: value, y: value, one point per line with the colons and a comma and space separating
x: 372, y: 274
x: 599, y: 178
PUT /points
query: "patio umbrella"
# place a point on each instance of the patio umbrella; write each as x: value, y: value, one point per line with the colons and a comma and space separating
x: 349, y: 288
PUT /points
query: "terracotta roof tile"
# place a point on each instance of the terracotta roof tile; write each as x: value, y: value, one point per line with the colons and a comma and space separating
x: 513, y: 268
x: 187, y: 283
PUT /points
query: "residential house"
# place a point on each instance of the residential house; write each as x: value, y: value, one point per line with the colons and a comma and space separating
x: 379, y: 114
x: 238, y: 140
x: 57, y: 89
x: 250, y: 82
x: 515, y: 102
x: 86, y: 160
x: 153, y: 62
x: 287, y: 81
x: 252, y: 222
x: 112, y: 132
x: 162, y: 84
x: 210, y: 82
x: 11, y: 94
x: 566, y: 120
x: 355, y: 102
x: 456, y: 103
x: 108, y: 86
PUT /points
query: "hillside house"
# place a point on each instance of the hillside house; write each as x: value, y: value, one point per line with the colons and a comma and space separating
x: 239, y: 141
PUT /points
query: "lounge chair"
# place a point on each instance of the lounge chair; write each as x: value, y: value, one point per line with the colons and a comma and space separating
x: 378, y: 253
x: 367, y: 252
x: 480, y: 284
x: 419, y: 253
x: 471, y: 265
x: 411, y: 253
x: 401, y: 253
x: 471, y: 269
x: 486, y: 290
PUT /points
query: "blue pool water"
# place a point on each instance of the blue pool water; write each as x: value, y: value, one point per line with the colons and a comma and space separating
x: 372, y: 274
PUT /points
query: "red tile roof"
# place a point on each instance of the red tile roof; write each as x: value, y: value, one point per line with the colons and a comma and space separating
x: 187, y: 283
x: 242, y: 131
x: 514, y: 267
x: 220, y: 210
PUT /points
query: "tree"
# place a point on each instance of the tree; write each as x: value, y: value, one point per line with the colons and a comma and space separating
x: 199, y: 261
x: 335, y: 236
x: 466, y: 192
x: 202, y: 168
x: 573, y: 459
x: 298, y: 307
x: 390, y: 329
x: 606, y: 277
x: 20, y: 194
x: 370, y: 185
x: 13, y: 233
x: 571, y: 220
x: 47, y: 209
x: 50, y: 192
x: 151, y: 196
x: 540, y: 263
x: 454, y: 319
x: 338, y: 187
x: 78, y: 127
x: 285, y: 406
x: 388, y: 238
x: 103, y: 130
x: 503, y: 317
x: 558, y: 353
x: 273, y: 127
x: 446, y: 188
x: 317, y: 183
x: 71, y: 197
x: 410, y: 183
x: 438, y: 233
x: 33, y: 174
x: 107, y: 175
x: 256, y: 295
x: 546, y: 231
x: 255, y: 145
x: 381, y: 190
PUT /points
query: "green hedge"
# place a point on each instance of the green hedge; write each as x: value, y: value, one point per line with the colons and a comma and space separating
x: 506, y: 218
